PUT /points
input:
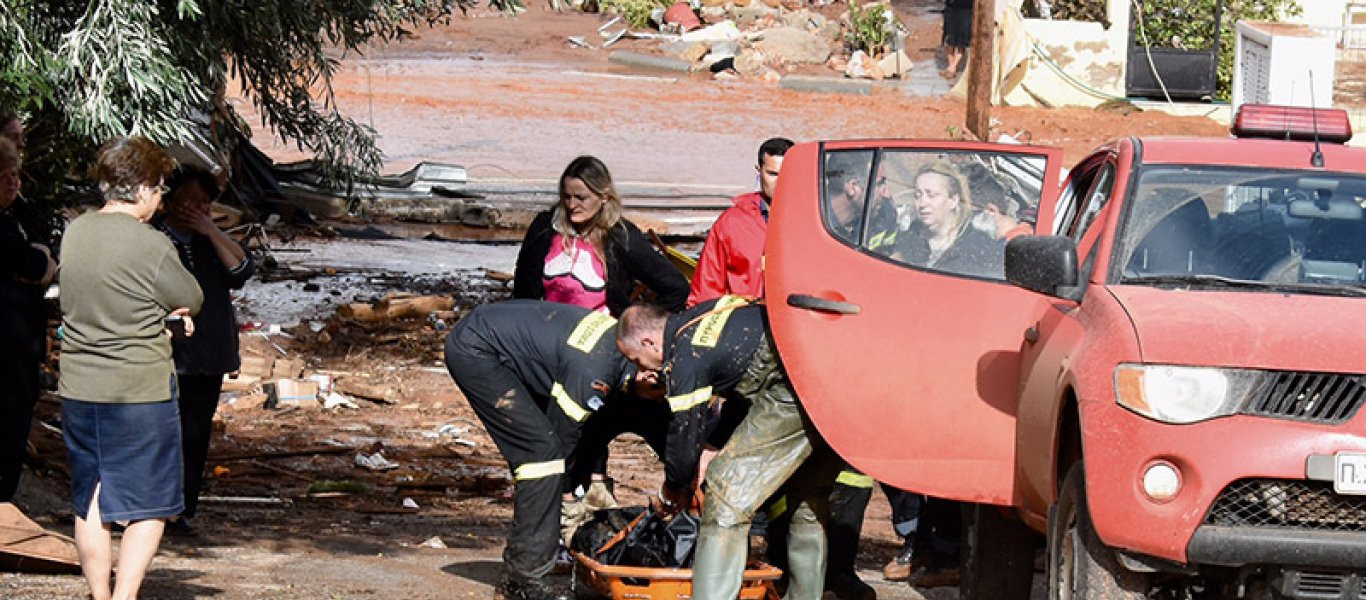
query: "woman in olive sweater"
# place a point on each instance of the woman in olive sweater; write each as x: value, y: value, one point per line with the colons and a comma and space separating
x: 120, y: 279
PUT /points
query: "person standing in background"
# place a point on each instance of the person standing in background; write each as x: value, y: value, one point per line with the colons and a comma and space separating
x: 121, y: 279
x: 220, y: 265
x: 26, y: 270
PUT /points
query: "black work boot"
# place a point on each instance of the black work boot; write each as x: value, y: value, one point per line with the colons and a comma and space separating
x: 516, y: 588
x: 847, y: 586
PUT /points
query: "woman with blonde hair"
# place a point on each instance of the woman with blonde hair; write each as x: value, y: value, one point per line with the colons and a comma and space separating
x: 941, y: 238
x: 121, y: 279
x: 582, y: 251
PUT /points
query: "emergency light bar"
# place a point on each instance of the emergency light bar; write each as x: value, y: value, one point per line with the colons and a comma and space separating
x: 1292, y: 123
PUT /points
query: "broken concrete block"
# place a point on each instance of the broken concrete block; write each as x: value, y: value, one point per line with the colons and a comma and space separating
x: 240, y: 382
x: 296, y: 392
x: 287, y: 368
x: 719, y: 32
x: 895, y: 64
x: 794, y: 46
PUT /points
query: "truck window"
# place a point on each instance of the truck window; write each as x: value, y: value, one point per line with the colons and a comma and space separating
x: 950, y: 212
x: 1247, y: 229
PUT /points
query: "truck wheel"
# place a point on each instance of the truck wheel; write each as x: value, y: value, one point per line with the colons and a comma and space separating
x: 998, y: 555
x: 1080, y: 566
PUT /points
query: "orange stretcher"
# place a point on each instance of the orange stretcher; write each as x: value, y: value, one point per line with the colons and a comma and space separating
x: 593, y: 579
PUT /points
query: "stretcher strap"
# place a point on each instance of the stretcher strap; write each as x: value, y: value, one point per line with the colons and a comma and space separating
x: 538, y: 470
x: 571, y: 408
x: 621, y: 535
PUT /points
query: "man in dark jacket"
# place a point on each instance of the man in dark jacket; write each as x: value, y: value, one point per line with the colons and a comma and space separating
x: 26, y: 269
x: 533, y: 372
x: 722, y: 348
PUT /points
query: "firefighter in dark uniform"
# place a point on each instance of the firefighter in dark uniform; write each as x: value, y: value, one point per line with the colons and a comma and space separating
x: 534, y: 371
x: 722, y: 349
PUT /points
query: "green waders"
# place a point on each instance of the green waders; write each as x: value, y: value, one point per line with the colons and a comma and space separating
x: 774, y: 447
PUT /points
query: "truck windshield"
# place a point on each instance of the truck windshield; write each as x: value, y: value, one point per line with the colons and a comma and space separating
x: 1203, y: 226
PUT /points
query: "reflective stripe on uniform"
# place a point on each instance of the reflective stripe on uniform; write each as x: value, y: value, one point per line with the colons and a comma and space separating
x: 778, y: 507
x: 708, y: 331
x: 538, y: 470
x: 571, y: 408
x: 854, y: 479
x: 587, y: 333
x: 883, y: 238
x: 689, y: 400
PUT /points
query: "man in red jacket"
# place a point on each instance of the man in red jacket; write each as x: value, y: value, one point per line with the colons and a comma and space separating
x: 732, y: 260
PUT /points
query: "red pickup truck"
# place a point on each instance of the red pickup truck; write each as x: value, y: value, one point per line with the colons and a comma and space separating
x: 1163, y: 384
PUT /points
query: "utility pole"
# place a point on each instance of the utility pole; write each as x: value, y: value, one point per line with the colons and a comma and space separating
x: 980, y: 67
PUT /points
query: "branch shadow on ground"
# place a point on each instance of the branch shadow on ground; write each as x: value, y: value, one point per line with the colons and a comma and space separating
x: 175, y: 584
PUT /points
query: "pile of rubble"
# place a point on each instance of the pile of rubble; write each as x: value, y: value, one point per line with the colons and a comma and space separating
x: 766, y: 39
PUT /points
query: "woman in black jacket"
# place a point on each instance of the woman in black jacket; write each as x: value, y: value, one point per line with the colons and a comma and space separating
x: 26, y: 269
x: 582, y: 251
x: 219, y: 264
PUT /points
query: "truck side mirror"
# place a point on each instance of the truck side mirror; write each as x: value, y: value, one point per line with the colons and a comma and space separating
x: 1042, y: 263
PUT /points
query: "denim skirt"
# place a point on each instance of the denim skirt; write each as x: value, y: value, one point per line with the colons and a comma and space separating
x: 132, y: 451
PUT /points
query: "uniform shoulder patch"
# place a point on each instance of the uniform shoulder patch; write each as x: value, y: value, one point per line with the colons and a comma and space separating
x: 589, y: 330
x: 709, y: 329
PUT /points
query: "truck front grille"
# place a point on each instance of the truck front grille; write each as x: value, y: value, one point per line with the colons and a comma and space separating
x: 1329, y: 398
x: 1289, y: 504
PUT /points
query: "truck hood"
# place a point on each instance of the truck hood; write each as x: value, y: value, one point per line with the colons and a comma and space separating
x: 1265, y: 330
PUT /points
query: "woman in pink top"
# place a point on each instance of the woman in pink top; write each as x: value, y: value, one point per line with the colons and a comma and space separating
x: 583, y: 252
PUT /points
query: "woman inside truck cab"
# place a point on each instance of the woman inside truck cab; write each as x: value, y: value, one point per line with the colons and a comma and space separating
x: 941, y: 237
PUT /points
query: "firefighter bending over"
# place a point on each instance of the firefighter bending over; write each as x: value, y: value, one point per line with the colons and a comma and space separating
x: 534, y: 371
x: 722, y: 348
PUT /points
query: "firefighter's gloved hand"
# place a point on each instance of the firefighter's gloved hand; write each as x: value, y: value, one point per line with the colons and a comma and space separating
x: 572, y: 515
x: 671, y: 501
x: 599, y: 495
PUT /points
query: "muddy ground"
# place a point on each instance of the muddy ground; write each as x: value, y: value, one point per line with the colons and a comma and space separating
x: 509, y: 99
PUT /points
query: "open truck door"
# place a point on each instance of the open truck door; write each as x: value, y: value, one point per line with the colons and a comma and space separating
x: 904, y: 349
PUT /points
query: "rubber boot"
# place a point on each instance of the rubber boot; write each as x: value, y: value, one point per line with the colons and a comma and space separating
x: 806, y: 556
x: 719, y: 567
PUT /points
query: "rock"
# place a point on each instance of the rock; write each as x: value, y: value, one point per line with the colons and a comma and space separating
x: 695, y: 52
x: 794, y: 46
x: 795, y: 18
x: 746, y: 17
x: 860, y: 66
x: 749, y: 63
x: 771, y: 76
x: 895, y: 64
x: 831, y: 30
x: 712, y: 14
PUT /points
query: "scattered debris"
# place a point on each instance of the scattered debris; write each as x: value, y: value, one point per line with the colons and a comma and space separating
x: 433, y: 542
x: 375, y: 462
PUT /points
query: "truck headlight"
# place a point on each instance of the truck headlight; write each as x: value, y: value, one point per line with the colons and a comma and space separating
x: 1174, y: 394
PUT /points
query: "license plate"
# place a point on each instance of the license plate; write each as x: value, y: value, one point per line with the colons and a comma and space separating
x: 1349, y: 473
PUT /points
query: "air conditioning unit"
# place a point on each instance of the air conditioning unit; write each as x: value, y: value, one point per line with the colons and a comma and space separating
x: 1273, y: 63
